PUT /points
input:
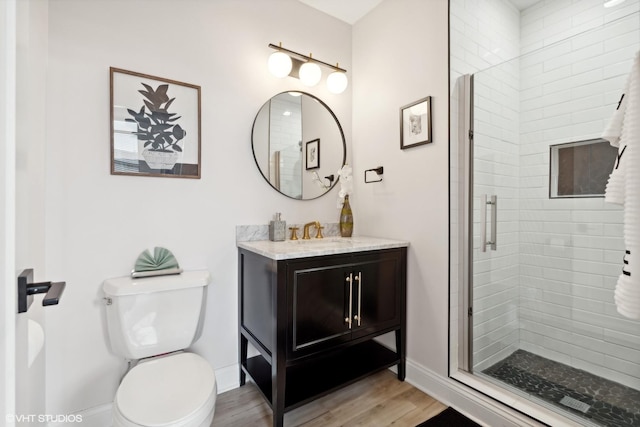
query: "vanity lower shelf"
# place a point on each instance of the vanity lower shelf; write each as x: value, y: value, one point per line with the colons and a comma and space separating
x: 309, y: 380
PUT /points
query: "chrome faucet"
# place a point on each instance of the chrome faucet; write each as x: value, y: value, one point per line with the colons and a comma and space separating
x: 305, y: 231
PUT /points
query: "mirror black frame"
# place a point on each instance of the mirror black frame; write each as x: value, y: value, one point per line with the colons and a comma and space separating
x: 344, y: 143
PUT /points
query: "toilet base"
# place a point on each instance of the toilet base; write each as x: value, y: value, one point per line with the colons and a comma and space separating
x: 177, y: 390
x: 121, y: 421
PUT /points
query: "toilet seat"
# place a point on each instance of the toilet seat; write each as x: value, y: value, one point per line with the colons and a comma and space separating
x: 173, y: 390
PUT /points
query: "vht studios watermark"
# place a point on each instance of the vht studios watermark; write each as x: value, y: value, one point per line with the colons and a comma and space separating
x: 43, y: 418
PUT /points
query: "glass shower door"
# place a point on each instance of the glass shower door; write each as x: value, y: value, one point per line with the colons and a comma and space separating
x: 495, y: 184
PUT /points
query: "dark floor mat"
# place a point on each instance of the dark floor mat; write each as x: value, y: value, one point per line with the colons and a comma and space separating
x: 449, y: 418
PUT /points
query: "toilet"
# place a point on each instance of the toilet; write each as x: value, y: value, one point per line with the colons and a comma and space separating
x: 152, y: 321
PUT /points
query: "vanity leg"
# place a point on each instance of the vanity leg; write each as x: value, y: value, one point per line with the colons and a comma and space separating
x: 277, y: 393
x: 278, y: 419
x: 243, y: 358
x: 279, y: 355
x: 401, y: 350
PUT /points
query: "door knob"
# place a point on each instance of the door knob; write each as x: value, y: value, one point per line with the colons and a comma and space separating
x: 26, y: 290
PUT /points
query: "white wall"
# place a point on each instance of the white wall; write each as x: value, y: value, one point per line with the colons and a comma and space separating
x: 30, y: 195
x: 97, y: 224
x: 399, y: 56
x: 8, y: 18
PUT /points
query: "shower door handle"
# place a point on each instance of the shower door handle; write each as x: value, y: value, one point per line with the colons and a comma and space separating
x: 493, y: 242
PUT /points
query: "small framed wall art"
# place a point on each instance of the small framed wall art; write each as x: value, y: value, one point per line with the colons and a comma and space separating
x: 415, y: 123
x: 155, y: 126
x: 313, y: 154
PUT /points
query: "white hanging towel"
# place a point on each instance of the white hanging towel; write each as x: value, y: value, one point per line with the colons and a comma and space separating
x: 623, y: 187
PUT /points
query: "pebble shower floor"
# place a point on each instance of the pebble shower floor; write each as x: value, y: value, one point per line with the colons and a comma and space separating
x: 600, y: 400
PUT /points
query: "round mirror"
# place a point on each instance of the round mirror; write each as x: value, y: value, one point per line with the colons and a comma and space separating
x: 298, y: 145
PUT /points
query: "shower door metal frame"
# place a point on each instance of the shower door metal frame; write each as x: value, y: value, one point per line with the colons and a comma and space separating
x: 465, y: 209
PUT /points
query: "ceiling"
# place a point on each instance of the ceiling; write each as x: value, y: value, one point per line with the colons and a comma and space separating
x: 523, y: 4
x: 351, y: 11
x: 346, y: 10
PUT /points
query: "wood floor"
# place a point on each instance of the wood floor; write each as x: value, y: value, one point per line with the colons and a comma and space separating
x: 376, y: 401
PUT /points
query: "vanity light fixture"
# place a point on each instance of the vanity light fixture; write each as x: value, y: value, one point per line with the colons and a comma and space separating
x: 611, y: 3
x: 306, y: 68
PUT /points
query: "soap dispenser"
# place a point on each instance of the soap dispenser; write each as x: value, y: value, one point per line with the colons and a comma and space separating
x: 277, y: 229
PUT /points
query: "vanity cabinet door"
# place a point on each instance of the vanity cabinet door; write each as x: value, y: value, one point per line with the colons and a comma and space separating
x: 376, y: 289
x: 336, y: 299
x: 319, y: 314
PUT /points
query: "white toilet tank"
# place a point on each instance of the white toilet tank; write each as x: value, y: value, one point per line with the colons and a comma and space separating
x: 155, y: 315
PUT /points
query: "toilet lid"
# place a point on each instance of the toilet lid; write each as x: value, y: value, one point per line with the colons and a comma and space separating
x: 162, y: 391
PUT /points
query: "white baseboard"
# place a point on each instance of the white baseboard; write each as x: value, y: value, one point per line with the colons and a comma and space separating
x: 100, y: 416
x: 228, y: 378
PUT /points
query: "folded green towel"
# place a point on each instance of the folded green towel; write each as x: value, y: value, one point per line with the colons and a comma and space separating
x: 162, y: 259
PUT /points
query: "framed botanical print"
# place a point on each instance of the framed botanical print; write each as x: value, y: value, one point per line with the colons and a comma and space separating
x: 155, y: 126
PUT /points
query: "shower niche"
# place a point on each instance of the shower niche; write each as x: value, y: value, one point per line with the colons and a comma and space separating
x: 580, y: 169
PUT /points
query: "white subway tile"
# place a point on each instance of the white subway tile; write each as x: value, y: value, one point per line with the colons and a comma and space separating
x: 588, y: 254
x: 592, y: 306
x: 588, y: 355
x: 594, y: 216
x: 623, y: 10
x: 623, y: 366
x: 585, y: 116
x: 587, y: 329
x: 587, y: 15
x: 622, y: 339
x: 627, y: 39
x: 607, y: 322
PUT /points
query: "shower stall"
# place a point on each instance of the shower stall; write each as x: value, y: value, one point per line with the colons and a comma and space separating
x: 535, y: 249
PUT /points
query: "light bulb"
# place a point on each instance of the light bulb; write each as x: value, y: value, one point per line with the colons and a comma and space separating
x: 337, y: 82
x: 310, y: 74
x: 280, y: 64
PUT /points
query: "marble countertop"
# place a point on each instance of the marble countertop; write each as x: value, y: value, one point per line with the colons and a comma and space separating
x: 290, y: 249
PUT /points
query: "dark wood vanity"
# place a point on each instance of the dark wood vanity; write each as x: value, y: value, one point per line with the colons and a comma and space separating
x: 312, y: 320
